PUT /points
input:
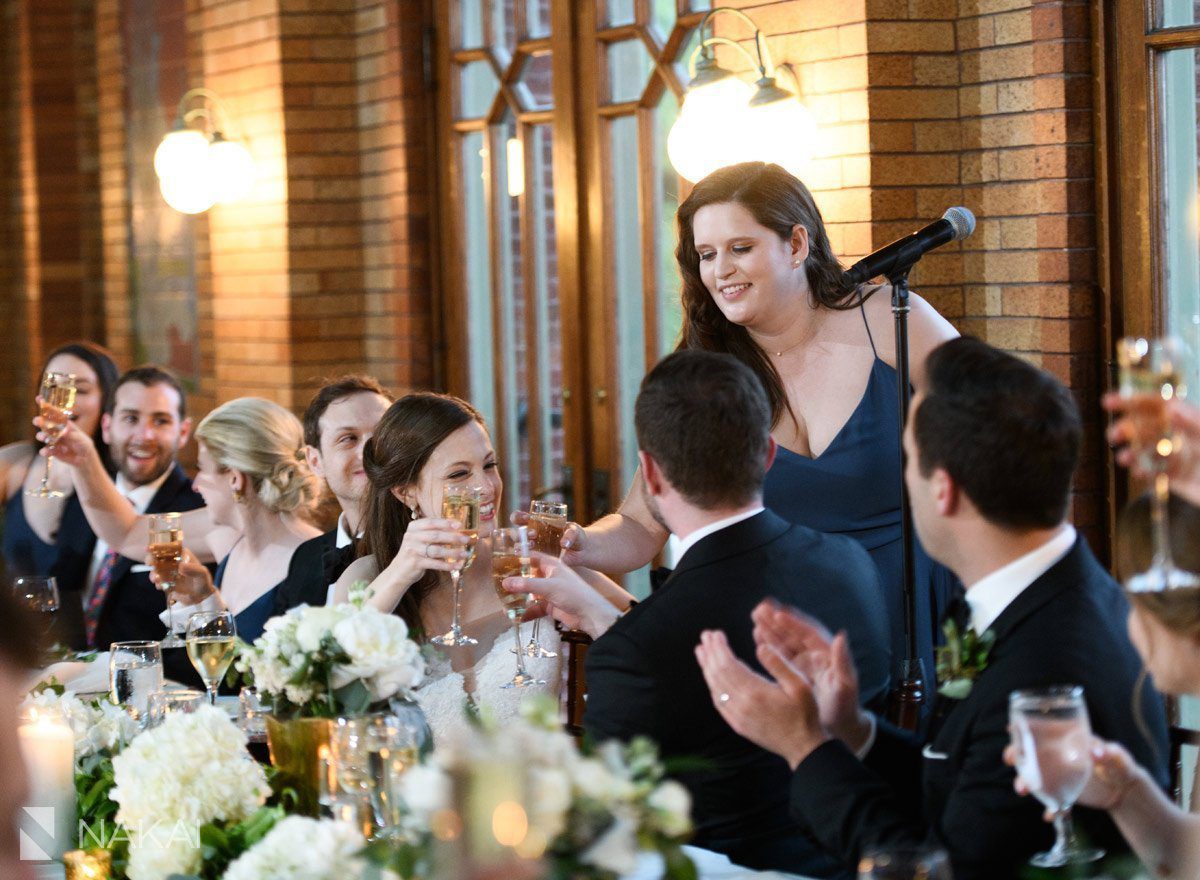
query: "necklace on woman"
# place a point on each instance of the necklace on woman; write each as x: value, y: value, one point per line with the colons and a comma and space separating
x: 782, y: 352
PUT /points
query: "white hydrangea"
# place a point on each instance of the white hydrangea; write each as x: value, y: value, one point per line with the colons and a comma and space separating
x: 99, y: 726
x: 299, y: 848
x: 191, y: 770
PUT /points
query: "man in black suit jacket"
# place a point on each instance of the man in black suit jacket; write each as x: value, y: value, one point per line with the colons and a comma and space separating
x: 703, y: 426
x: 991, y: 445
x: 339, y: 420
x: 145, y: 427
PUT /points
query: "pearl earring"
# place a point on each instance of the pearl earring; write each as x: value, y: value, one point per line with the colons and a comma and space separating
x: 796, y: 264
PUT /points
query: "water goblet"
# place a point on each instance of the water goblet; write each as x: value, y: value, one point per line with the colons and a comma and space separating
x: 1053, y: 739
x: 460, y: 502
x: 510, y: 558
x: 58, y: 403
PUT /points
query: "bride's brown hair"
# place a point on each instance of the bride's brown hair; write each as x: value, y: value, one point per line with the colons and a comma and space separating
x: 412, y: 428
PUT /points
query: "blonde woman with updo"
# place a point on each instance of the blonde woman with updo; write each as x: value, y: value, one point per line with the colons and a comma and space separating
x: 259, y: 491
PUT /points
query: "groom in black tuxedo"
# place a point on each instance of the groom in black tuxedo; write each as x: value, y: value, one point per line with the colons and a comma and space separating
x: 703, y: 427
x: 991, y: 446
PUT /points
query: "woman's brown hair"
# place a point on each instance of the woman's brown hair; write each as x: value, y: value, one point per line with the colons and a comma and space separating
x: 1178, y: 610
x: 778, y: 201
x: 412, y: 428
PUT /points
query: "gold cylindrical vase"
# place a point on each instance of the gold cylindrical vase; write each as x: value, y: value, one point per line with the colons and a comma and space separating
x: 296, y: 749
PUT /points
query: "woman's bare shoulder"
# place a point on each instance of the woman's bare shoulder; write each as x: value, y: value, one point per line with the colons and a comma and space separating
x: 15, y: 459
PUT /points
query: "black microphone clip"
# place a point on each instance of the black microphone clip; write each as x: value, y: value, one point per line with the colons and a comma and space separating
x: 896, y: 259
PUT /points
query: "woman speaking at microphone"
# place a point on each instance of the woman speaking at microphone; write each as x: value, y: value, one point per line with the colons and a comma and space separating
x: 760, y: 282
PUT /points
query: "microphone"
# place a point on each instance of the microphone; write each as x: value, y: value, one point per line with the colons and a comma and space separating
x: 955, y: 225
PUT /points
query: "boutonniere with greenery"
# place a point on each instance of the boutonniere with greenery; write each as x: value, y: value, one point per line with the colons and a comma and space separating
x: 962, y: 659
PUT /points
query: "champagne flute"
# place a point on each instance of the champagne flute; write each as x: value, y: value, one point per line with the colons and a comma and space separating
x: 460, y: 503
x: 1152, y: 372
x: 210, y: 647
x: 1053, y: 739
x: 549, y: 521
x: 58, y: 402
x: 166, y: 549
x: 510, y: 558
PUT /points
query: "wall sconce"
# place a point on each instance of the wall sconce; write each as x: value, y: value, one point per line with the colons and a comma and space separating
x: 199, y: 167
x: 724, y: 120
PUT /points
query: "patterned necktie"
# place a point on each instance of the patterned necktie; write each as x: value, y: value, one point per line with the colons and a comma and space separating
x: 104, y: 576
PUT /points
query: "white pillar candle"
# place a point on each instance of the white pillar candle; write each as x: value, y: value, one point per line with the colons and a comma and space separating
x: 48, y: 821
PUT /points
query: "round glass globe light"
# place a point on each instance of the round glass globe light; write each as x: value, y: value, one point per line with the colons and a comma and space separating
x: 231, y: 170
x: 699, y: 143
x: 180, y: 153
x: 783, y: 132
x: 189, y: 193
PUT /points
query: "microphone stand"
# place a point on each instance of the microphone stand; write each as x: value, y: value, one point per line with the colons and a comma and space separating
x: 908, y: 695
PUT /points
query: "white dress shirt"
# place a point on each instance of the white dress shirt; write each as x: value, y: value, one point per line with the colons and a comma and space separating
x: 989, y: 596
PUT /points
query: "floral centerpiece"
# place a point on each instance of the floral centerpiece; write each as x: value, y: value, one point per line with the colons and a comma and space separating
x: 299, y: 848
x: 590, y: 812
x: 183, y: 785
x: 315, y: 664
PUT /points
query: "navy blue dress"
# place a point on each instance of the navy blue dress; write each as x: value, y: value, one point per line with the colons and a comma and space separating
x: 853, y: 488
x: 253, y: 618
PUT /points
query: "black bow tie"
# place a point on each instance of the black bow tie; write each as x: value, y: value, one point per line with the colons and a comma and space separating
x: 336, y: 560
x: 658, y: 577
x: 959, y: 610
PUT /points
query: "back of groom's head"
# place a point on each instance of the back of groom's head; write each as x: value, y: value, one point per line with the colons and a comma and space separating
x: 1006, y: 432
x: 705, y: 420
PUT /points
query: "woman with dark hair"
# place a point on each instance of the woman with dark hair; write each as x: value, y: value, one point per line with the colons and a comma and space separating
x: 43, y: 536
x: 424, y: 442
x: 761, y: 282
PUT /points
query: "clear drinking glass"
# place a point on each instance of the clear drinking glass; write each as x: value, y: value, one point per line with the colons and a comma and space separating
x: 547, y: 522
x: 1052, y: 737
x: 904, y: 864
x: 166, y: 548
x: 368, y: 756
x: 210, y: 646
x: 58, y: 403
x: 510, y: 558
x: 164, y: 703
x: 37, y: 592
x: 1152, y: 372
x: 134, y: 673
x: 460, y: 503
x: 252, y: 715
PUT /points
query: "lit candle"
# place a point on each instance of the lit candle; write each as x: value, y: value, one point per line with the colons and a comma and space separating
x: 94, y: 864
x: 48, y: 820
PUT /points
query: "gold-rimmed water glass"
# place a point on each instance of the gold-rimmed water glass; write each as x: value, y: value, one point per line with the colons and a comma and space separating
x: 1152, y: 372
x: 460, y: 502
x: 58, y: 403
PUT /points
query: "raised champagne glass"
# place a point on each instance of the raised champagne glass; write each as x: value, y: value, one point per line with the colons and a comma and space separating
x: 548, y: 522
x: 1152, y: 373
x: 460, y: 503
x: 166, y: 549
x: 510, y: 558
x: 1053, y: 741
x: 210, y: 646
x: 58, y: 402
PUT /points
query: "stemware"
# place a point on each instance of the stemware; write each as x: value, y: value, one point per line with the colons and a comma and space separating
x: 37, y: 592
x: 164, y: 703
x: 166, y: 549
x: 134, y: 673
x: 904, y: 864
x: 460, y: 503
x: 1152, y: 372
x: 548, y: 521
x: 510, y: 558
x: 1052, y: 738
x: 58, y: 403
x: 210, y: 647
x: 369, y: 755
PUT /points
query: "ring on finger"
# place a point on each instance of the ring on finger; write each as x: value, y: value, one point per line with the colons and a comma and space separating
x: 724, y: 698
x: 429, y: 551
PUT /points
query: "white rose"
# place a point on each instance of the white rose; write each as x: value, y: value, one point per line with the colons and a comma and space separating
x: 594, y: 780
x: 672, y: 806
x: 616, y: 849
x: 314, y: 625
x: 425, y: 789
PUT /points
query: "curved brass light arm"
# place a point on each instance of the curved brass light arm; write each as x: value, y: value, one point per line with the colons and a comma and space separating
x: 764, y: 65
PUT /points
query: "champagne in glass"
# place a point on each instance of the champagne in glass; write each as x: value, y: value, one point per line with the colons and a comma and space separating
x: 58, y: 402
x: 210, y: 647
x: 134, y: 673
x: 1152, y: 374
x: 461, y: 503
x: 510, y: 558
x: 1052, y: 738
x: 166, y: 550
x: 548, y: 522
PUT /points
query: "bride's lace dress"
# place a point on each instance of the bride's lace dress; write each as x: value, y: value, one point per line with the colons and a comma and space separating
x: 476, y: 673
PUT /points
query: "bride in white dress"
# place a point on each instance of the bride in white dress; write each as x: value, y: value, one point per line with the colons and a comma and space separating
x: 423, y: 442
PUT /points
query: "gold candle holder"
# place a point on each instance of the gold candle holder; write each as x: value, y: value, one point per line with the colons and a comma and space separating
x: 92, y: 864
